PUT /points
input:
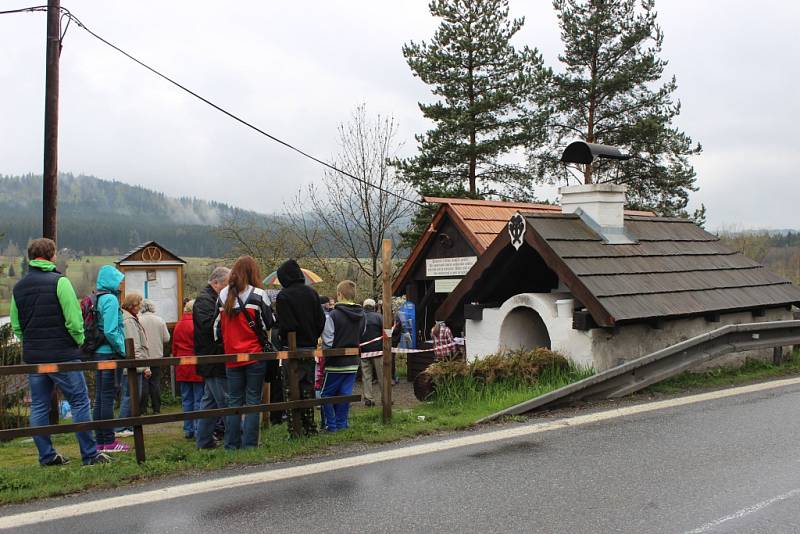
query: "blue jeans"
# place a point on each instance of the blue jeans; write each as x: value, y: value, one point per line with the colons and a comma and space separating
x: 105, y: 390
x: 73, y: 386
x: 214, y: 394
x: 191, y: 395
x: 244, y: 389
x: 336, y: 384
x: 125, y: 404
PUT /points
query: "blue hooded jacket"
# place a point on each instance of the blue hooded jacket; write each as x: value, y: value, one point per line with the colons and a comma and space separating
x: 111, y: 323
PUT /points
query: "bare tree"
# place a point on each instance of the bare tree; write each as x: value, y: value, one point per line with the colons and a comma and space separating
x: 269, y: 240
x: 343, y: 216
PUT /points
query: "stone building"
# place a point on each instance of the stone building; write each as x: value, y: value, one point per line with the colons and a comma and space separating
x: 603, y: 287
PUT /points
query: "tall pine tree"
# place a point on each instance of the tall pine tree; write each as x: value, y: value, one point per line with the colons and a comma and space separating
x: 484, y: 87
x: 611, y: 92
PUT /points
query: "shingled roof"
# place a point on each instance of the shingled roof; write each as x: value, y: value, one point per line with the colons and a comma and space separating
x: 479, y: 220
x: 674, y: 268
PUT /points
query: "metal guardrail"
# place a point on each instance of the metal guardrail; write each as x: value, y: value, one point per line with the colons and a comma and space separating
x: 660, y: 365
x: 136, y: 421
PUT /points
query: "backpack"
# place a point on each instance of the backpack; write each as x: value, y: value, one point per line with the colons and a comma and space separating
x: 93, y: 333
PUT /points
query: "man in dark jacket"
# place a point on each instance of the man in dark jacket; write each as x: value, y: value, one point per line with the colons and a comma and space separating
x: 372, y: 366
x: 46, y: 318
x: 214, y: 376
x: 344, y: 327
x: 298, y: 309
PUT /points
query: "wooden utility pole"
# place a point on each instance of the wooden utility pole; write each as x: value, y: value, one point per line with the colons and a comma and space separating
x: 50, y: 181
x: 50, y: 174
x: 388, y: 319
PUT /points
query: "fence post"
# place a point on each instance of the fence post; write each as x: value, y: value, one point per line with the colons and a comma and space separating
x: 388, y: 320
x: 133, y: 391
x: 777, y: 356
x: 296, y: 428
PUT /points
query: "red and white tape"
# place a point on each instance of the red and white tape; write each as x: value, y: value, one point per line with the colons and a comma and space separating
x: 397, y: 350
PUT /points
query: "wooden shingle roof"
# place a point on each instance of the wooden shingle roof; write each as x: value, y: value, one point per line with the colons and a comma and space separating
x: 674, y: 268
x: 479, y: 220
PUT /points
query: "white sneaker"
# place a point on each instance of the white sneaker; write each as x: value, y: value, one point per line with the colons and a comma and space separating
x: 123, y: 434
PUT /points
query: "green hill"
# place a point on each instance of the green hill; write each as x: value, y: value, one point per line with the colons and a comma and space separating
x: 103, y: 217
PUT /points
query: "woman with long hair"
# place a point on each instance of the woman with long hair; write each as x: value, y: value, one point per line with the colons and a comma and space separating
x: 243, y: 323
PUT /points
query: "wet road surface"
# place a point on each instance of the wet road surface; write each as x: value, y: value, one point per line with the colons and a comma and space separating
x: 727, y: 465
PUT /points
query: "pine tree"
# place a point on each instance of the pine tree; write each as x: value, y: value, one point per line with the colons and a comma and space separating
x: 12, y: 273
x: 483, y: 111
x: 611, y: 92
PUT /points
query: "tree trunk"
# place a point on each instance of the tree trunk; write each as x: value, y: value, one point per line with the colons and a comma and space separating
x: 473, y: 151
x: 587, y: 171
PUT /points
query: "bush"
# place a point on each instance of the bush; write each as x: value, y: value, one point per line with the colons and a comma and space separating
x: 499, y: 377
x: 12, y: 387
x: 521, y: 366
x: 457, y: 381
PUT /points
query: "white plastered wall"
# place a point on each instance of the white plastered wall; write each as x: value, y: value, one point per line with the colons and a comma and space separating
x: 486, y: 336
x: 633, y: 341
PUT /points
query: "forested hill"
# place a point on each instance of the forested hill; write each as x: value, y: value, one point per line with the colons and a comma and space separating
x: 107, y: 217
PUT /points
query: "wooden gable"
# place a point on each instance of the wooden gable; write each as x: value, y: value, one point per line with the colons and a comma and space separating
x: 150, y: 253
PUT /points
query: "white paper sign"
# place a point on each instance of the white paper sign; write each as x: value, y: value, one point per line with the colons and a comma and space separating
x: 163, y: 291
x: 445, y: 285
x: 449, y: 266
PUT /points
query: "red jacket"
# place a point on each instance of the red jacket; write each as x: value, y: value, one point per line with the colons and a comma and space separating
x: 183, y: 345
x: 238, y: 337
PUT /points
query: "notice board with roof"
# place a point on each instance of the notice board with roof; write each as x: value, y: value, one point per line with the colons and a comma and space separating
x: 157, y: 274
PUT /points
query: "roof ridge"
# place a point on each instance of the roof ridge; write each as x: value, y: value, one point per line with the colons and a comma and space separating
x: 490, y: 203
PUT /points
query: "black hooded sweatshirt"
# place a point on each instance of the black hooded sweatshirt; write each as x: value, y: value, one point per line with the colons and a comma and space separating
x: 349, y: 324
x: 298, y: 307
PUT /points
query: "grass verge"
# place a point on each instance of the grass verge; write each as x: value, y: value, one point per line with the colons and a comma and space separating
x: 751, y: 371
x: 168, y: 453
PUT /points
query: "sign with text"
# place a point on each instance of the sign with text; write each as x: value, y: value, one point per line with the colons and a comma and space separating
x: 445, y: 285
x: 449, y: 266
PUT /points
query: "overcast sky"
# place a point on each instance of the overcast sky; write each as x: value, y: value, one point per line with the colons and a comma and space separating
x: 297, y: 69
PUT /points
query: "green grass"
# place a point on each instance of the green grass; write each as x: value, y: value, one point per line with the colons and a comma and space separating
x: 168, y: 453
x: 751, y: 371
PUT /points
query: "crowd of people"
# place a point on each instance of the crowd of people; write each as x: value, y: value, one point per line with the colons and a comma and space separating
x: 233, y: 314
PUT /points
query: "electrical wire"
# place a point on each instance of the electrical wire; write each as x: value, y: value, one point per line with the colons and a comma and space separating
x: 233, y: 116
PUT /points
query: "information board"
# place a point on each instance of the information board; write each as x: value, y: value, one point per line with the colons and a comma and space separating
x: 449, y: 266
x: 160, y: 286
x: 445, y: 285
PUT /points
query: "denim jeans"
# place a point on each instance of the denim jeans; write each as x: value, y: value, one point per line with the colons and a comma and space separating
x: 105, y: 391
x: 336, y: 384
x: 244, y: 389
x: 191, y: 397
x: 214, y: 393
x: 73, y: 386
x: 125, y: 404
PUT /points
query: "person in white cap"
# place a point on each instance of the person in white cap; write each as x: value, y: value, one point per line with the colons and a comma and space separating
x: 372, y: 366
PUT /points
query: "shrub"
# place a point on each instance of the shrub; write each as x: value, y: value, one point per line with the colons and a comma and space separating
x: 455, y: 381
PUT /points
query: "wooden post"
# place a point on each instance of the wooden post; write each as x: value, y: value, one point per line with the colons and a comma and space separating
x: 133, y: 391
x: 388, y: 319
x: 50, y: 177
x: 50, y: 173
x: 266, y: 394
x: 777, y: 356
x: 296, y: 429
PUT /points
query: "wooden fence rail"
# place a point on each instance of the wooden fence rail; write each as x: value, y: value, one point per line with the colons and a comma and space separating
x: 136, y: 421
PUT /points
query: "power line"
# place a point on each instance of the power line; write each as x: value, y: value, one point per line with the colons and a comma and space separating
x: 233, y: 116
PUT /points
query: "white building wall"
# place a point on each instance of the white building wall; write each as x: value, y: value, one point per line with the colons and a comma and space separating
x: 634, y: 341
x: 599, y: 348
x: 484, y: 337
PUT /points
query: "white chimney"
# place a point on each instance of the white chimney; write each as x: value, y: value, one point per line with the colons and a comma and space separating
x: 601, y: 206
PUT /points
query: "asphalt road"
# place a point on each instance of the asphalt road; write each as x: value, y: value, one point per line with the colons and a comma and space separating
x: 727, y: 465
